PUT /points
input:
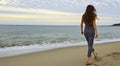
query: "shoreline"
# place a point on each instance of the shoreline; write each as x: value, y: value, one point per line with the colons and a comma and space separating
x: 108, y: 55
x: 19, y: 50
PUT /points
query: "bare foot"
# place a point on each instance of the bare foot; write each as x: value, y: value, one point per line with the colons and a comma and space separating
x: 95, y: 54
x: 89, y: 63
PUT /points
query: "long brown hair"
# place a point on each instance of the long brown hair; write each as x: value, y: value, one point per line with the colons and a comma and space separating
x: 90, y: 15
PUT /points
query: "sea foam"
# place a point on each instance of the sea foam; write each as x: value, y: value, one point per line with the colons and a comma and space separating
x: 18, y: 50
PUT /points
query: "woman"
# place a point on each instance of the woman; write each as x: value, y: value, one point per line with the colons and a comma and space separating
x: 90, y: 31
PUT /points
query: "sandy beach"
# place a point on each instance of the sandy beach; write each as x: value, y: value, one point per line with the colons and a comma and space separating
x: 108, y: 55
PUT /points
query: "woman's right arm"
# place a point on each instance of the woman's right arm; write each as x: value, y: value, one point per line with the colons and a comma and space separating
x: 82, y: 25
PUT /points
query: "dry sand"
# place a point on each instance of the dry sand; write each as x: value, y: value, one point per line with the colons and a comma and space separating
x: 108, y: 55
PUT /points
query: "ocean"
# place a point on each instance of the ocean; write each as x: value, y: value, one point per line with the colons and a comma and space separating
x: 20, y: 39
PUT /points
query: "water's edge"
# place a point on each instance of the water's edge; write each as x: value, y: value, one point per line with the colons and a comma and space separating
x: 18, y: 50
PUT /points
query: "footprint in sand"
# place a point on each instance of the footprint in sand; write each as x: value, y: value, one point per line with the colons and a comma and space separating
x: 114, y: 55
x: 98, y: 59
x: 93, y: 65
x: 102, y: 61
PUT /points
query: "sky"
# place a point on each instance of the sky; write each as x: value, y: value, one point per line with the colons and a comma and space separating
x: 56, y: 12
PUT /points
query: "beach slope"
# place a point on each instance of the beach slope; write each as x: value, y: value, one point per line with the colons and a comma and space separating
x: 108, y: 55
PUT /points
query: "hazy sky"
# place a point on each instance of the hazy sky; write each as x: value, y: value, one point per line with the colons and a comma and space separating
x: 56, y: 12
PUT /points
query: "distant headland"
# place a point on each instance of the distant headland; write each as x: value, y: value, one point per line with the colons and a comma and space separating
x: 118, y: 24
